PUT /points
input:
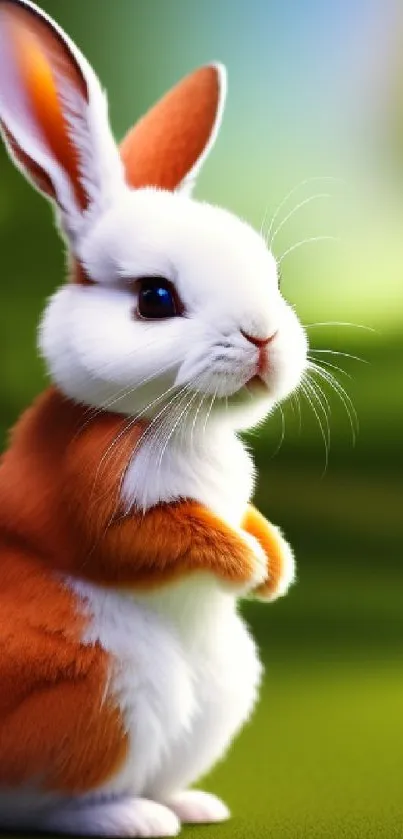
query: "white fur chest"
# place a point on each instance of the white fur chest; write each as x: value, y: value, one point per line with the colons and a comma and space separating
x: 214, y: 469
x: 185, y: 674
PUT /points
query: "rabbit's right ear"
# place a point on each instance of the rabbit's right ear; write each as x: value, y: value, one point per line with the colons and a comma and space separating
x: 53, y: 115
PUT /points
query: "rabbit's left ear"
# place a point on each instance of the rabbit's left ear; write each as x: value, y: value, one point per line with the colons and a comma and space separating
x: 53, y: 115
x: 168, y: 146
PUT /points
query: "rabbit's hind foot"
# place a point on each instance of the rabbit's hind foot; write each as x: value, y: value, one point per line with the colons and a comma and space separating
x: 127, y: 817
x: 193, y: 806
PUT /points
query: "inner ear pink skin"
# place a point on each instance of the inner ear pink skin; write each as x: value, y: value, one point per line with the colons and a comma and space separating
x: 163, y: 147
x: 40, y: 52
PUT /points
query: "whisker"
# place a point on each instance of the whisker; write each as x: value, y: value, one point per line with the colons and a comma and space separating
x: 344, y: 397
x: 332, y: 366
x: 296, y: 404
x: 293, y: 191
x: 337, y: 352
x: 121, y: 394
x: 340, y: 323
x: 147, y: 432
x: 295, y: 210
x: 321, y: 395
x: 307, y: 242
x: 321, y: 399
x: 282, y: 436
x: 198, y: 409
x: 175, y: 425
x: 261, y: 229
x: 127, y: 427
x: 307, y: 395
x: 209, y: 412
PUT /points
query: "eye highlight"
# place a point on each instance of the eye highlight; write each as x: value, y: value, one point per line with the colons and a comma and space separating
x: 157, y: 299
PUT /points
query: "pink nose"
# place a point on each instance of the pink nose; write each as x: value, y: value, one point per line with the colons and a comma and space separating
x: 259, y: 342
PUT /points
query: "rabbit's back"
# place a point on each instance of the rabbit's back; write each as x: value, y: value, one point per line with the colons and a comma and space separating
x: 56, y: 732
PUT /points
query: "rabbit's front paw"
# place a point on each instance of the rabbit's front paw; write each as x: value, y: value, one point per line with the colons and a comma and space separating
x: 259, y: 566
x: 246, y: 569
x: 280, y: 566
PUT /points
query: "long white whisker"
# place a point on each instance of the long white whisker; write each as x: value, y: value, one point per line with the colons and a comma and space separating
x: 315, y: 362
x: 295, y: 401
x: 345, y: 399
x: 339, y: 323
x: 307, y: 395
x: 264, y: 218
x: 307, y: 242
x: 132, y: 421
x: 321, y: 399
x: 293, y: 191
x: 209, y: 412
x: 124, y: 392
x: 148, y: 430
x: 336, y: 352
x: 176, y: 423
x: 295, y: 210
x: 198, y: 409
x: 321, y: 395
x: 282, y: 435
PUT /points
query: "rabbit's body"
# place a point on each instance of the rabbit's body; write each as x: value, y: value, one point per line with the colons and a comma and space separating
x: 167, y: 675
x: 126, y: 532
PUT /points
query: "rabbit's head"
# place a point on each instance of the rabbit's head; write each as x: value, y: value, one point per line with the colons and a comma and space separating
x: 171, y: 304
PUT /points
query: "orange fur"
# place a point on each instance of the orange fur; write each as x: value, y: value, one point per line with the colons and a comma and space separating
x: 53, y: 725
x: 258, y: 526
x: 165, y: 144
x: 60, y: 494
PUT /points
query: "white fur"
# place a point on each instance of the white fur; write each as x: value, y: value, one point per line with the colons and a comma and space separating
x: 214, y: 469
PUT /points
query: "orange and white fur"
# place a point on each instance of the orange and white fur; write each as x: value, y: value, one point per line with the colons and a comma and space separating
x: 126, y: 530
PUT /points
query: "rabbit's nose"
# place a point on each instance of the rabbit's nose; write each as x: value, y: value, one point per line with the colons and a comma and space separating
x: 259, y: 342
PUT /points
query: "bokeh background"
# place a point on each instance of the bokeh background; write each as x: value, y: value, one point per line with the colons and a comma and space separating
x: 315, y: 100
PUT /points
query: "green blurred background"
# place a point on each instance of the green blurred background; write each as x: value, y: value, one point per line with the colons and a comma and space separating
x: 315, y: 90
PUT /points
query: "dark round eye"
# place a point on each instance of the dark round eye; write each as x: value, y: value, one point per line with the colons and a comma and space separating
x: 156, y: 299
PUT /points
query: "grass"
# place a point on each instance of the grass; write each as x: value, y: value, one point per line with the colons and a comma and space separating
x: 322, y: 757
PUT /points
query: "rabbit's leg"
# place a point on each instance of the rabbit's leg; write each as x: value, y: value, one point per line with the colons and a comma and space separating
x: 57, y: 723
x: 226, y: 698
x: 124, y: 817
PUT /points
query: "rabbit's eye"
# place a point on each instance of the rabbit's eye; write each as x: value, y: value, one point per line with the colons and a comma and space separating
x: 157, y: 299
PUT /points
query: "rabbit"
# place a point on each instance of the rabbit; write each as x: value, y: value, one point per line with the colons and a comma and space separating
x: 127, y: 532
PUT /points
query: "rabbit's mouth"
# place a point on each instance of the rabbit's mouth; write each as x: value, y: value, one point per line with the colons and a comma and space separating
x: 257, y: 386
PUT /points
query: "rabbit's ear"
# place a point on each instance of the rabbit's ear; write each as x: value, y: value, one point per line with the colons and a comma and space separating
x: 53, y: 115
x: 167, y: 147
